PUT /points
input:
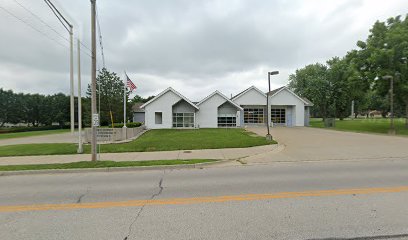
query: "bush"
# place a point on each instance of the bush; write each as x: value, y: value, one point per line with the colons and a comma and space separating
x: 129, y: 125
x: 29, y: 129
x: 134, y: 124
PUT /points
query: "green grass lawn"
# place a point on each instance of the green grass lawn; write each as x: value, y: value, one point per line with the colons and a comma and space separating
x: 377, y: 125
x: 103, y: 164
x: 153, y: 140
x: 31, y: 133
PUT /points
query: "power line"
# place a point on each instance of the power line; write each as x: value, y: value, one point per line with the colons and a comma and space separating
x: 41, y: 20
x: 100, y: 37
x: 86, y: 53
x: 58, y: 15
x: 53, y: 29
x: 85, y: 46
x: 31, y: 26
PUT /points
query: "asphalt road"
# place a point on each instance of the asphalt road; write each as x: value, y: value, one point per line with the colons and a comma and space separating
x: 304, y: 200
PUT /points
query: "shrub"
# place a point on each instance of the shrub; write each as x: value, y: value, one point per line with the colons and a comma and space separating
x: 29, y: 129
x: 129, y: 125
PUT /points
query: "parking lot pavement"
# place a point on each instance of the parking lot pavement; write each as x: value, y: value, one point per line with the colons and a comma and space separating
x: 312, y: 144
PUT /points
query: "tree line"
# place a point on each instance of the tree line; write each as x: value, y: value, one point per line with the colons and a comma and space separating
x: 33, y: 109
x: 362, y: 75
x: 39, y: 109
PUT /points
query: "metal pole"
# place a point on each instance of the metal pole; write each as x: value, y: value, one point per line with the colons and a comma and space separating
x: 124, y: 101
x: 392, y: 105
x: 268, y: 136
x: 80, y: 149
x: 71, y: 77
x: 352, y: 109
x: 93, y: 86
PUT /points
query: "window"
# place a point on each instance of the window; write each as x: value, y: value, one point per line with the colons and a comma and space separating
x: 227, y: 120
x: 278, y: 116
x: 158, y: 117
x: 183, y: 120
x: 254, y: 115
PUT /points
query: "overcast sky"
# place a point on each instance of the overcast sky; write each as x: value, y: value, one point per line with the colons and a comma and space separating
x: 195, y: 47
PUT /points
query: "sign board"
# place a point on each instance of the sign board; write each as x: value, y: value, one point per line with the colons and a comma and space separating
x: 105, y: 134
x: 95, y: 120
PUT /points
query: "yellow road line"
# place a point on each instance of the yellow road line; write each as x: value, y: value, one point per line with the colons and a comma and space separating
x: 197, y: 200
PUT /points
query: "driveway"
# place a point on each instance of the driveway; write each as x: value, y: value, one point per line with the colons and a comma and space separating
x: 312, y: 144
x: 49, y: 138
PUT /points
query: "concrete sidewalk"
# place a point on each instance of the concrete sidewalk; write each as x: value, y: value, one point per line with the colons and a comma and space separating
x: 222, y: 154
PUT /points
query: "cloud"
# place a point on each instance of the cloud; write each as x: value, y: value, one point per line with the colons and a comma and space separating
x: 194, y: 46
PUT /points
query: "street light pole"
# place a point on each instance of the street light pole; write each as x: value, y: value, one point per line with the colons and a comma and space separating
x: 268, y: 135
x: 71, y: 78
x: 93, y: 85
x: 80, y: 149
x: 65, y: 22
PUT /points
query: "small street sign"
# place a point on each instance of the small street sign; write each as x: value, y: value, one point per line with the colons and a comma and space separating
x: 95, y: 120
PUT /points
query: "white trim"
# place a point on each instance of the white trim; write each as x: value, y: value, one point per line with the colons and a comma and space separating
x: 223, y: 96
x: 284, y: 87
x: 247, y: 90
x: 165, y: 91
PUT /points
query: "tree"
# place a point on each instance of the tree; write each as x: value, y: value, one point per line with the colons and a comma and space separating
x: 8, y: 107
x: 110, y: 90
x: 386, y: 51
x: 60, y: 108
x: 359, y: 75
x: 140, y: 99
x: 311, y: 82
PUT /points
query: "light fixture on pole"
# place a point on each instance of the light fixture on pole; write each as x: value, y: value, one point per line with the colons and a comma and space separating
x: 268, y: 135
x: 70, y: 30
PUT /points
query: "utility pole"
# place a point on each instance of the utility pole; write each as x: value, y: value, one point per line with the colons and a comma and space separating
x: 80, y: 149
x: 93, y: 85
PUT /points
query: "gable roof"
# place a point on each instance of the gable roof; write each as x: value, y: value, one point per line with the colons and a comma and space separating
x: 247, y: 90
x: 223, y: 96
x: 309, y: 103
x: 278, y: 90
x: 275, y: 91
x: 173, y: 91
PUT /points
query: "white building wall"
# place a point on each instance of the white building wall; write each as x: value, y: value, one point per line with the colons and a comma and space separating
x: 163, y: 104
x: 207, y: 116
x: 252, y: 97
x: 227, y: 108
x: 183, y: 107
x: 284, y: 97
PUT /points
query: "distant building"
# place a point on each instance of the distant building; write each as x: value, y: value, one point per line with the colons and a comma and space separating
x: 138, y: 113
x: 170, y: 109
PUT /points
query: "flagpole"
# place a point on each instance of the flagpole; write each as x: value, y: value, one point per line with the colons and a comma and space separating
x: 124, y: 102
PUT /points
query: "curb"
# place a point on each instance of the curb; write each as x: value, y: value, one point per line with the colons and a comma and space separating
x: 111, y: 169
x: 279, y: 148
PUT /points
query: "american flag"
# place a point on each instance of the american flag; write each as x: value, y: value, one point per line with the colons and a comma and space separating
x: 130, y: 84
